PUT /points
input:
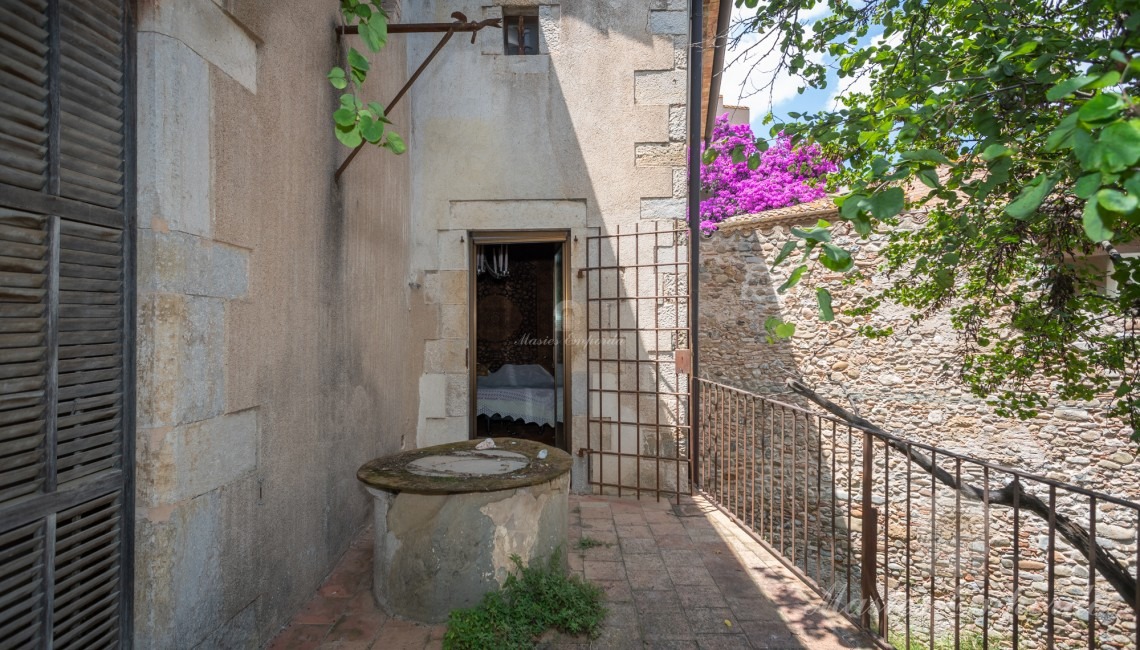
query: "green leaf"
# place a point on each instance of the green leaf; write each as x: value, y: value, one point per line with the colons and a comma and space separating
x: 813, y: 235
x: 1069, y: 86
x: 337, y: 78
x: 929, y: 178
x: 836, y: 259
x: 359, y: 65
x: 753, y: 161
x: 371, y: 129
x: 1031, y: 197
x: 1087, y: 185
x: 1116, y: 201
x: 345, y: 116
x: 793, y: 279
x: 779, y: 328
x: 925, y: 155
x: 995, y: 151
x: 1094, y: 222
x: 349, y: 136
x: 1121, y: 144
x: 1110, y: 78
x: 1060, y: 135
x: 1101, y: 108
x: 738, y: 154
x: 879, y: 166
x: 1024, y: 48
x: 710, y: 155
x: 788, y: 248
x: 887, y: 203
x: 374, y: 33
x: 823, y: 297
x: 395, y: 143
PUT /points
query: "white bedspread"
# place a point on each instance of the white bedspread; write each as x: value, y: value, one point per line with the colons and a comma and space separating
x: 524, y: 393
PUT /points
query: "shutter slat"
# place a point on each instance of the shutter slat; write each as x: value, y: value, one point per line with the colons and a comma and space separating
x: 89, y: 363
x: 79, y: 444
x: 90, y: 231
x: 85, y: 351
x: 97, y: 611
x: 21, y: 340
x: 84, y: 390
x: 67, y: 409
x: 21, y: 265
x: 86, y: 298
x: 88, y: 285
x: 91, y: 324
x: 21, y: 627
x: 22, y: 231
x: 85, y: 417
x: 19, y: 325
x: 24, y: 96
x: 21, y: 385
x: 87, y: 469
x: 88, y: 377
x: 19, y: 461
x: 19, y: 355
x: 87, y: 74
x: 21, y: 436
x: 19, y: 401
x: 106, y: 27
x: 104, y: 628
x: 80, y: 243
x: 71, y: 256
x: 86, y: 338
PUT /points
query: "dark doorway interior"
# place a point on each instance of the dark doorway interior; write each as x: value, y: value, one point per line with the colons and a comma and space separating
x: 518, y: 341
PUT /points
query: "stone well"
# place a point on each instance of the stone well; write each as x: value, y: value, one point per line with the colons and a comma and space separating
x: 448, y: 519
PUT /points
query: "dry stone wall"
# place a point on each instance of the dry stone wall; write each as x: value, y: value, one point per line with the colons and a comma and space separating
x: 940, y: 548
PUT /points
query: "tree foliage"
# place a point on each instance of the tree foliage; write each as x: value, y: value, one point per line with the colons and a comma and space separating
x: 1019, y: 124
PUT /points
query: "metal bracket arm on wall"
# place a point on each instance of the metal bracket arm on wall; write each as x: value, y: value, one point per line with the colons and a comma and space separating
x: 461, y: 24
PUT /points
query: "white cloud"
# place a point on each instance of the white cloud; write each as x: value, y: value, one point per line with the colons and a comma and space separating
x: 861, y: 84
x: 749, y: 72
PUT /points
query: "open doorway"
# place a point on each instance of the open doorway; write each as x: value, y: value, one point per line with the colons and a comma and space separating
x: 518, y: 353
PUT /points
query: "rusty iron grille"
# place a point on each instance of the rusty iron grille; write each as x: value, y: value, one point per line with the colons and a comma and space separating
x: 66, y: 323
x: 921, y: 546
x: 637, y: 308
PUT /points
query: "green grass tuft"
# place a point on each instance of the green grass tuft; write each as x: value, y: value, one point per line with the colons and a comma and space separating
x: 533, y: 600
x: 586, y: 543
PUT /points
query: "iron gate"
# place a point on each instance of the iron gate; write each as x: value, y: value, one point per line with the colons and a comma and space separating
x: 637, y: 320
x: 66, y: 315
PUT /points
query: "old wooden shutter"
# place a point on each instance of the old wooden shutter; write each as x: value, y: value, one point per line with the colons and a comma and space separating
x: 66, y: 314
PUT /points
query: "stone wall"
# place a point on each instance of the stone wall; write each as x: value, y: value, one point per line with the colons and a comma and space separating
x: 908, y: 384
x: 274, y: 311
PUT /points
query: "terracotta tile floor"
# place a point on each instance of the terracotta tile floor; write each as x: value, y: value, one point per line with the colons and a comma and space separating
x: 674, y: 577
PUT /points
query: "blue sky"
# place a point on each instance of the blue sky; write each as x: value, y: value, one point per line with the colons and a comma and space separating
x: 738, y: 86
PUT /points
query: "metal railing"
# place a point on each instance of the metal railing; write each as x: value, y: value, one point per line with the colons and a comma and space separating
x: 921, y: 546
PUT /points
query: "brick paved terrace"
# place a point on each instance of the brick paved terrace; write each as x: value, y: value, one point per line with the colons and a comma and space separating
x: 675, y: 577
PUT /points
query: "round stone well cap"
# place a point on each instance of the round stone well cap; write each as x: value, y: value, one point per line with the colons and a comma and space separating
x: 459, y: 467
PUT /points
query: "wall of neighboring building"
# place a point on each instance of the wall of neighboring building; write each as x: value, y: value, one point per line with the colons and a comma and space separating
x: 908, y: 384
x: 586, y: 135
x: 274, y: 307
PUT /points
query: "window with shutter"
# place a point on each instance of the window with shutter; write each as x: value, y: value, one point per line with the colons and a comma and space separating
x: 66, y: 309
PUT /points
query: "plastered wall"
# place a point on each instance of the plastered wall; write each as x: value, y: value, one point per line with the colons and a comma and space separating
x: 584, y: 136
x: 274, y: 310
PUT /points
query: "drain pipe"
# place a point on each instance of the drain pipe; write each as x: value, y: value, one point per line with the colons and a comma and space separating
x: 723, y: 22
x: 696, y: 35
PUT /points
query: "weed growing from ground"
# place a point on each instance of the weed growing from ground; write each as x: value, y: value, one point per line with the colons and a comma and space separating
x: 533, y: 600
x: 586, y: 543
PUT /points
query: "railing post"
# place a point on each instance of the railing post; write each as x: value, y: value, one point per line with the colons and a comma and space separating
x: 870, y: 525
